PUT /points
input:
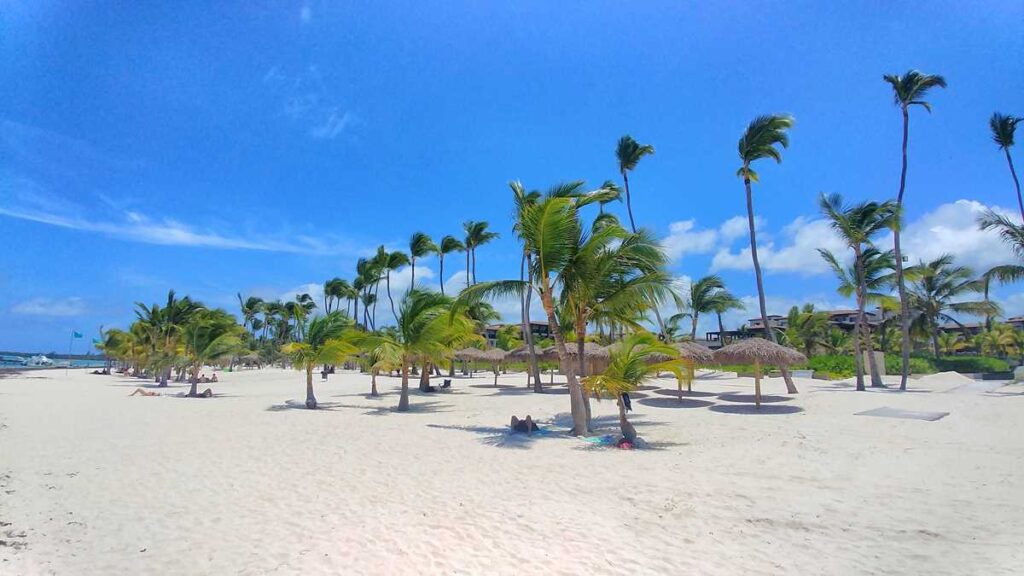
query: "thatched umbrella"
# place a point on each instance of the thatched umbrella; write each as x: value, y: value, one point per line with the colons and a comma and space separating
x: 593, y: 355
x: 758, y: 351
x: 692, y: 354
x: 495, y: 356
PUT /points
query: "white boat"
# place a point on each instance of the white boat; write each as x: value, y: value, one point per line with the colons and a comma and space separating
x: 39, y: 360
x: 13, y: 360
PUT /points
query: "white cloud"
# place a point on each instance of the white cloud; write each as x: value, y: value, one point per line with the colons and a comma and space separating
x: 683, y: 238
x: 799, y: 254
x: 307, y: 102
x: 333, y: 125
x: 58, y: 307
x: 738, y: 227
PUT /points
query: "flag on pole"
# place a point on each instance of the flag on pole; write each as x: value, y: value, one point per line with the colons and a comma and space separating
x: 76, y: 334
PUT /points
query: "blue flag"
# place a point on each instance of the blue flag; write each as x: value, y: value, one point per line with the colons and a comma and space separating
x: 76, y: 334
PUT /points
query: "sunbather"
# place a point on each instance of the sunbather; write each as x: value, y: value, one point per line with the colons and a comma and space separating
x: 526, y: 426
x: 142, y: 392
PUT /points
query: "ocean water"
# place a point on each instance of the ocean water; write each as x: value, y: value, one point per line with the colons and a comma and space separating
x: 10, y: 362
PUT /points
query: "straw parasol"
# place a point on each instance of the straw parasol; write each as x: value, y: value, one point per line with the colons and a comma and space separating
x: 468, y: 354
x: 594, y: 355
x: 494, y: 356
x: 758, y: 351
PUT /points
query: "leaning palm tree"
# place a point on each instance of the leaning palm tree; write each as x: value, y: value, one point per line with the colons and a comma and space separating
x: 760, y: 141
x: 1003, y: 127
x: 908, y: 90
x: 937, y: 293
x: 419, y: 246
x: 323, y: 345
x: 448, y: 245
x: 857, y: 225
x: 477, y: 235
x: 427, y: 330
x: 523, y: 201
x: 209, y: 335
x: 636, y: 359
x: 393, y: 262
x: 629, y: 152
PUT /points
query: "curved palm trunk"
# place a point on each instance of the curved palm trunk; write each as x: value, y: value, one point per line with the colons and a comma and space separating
x: 533, y: 368
x: 898, y: 253
x: 629, y: 202
x: 387, y: 280
x: 769, y: 333
x: 581, y: 333
x: 579, y: 416
x: 403, y: 400
x: 862, y: 324
x: 440, y: 261
x: 310, y: 398
x: 373, y: 383
x: 1013, y: 172
x: 693, y: 327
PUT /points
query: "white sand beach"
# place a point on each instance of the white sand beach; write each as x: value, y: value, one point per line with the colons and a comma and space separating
x: 93, y: 481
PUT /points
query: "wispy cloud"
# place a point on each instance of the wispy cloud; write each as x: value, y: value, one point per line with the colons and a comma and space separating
x: 57, y: 307
x: 307, y: 102
x: 306, y: 14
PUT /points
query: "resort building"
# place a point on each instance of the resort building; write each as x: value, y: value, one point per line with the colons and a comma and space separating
x: 539, y: 328
x: 844, y: 319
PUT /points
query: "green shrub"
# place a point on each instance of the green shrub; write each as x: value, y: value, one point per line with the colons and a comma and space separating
x: 971, y: 364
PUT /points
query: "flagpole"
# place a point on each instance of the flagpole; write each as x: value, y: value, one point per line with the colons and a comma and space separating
x: 70, y: 341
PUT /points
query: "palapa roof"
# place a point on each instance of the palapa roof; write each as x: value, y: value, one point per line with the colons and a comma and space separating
x: 493, y: 355
x: 696, y: 353
x: 590, y: 350
x: 753, y: 350
x: 469, y: 354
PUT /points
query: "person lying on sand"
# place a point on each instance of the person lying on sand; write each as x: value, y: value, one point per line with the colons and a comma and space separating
x: 142, y: 392
x: 205, y: 394
x: 526, y: 426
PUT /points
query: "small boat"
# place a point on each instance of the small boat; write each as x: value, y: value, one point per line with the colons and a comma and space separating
x: 39, y: 360
x: 12, y: 360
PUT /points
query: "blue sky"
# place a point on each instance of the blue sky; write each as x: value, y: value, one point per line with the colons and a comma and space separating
x: 262, y: 147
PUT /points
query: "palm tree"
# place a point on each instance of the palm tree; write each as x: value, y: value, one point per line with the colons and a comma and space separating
x: 427, y: 330
x: 951, y: 343
x: 448, y: 245
x: 612, y: 194
x: 250, y: 307
x: 335, y: 290
x: 807, y: 328
x: 323, y: 345
x: 908, y: 90
x: 522, y: 201
x: 703, y: 298
x: 476, y: 235
x: 629, y: 153
x: 419, y: 246
x: 937, y: 292
x: 164, y: 327
x: 208, y: 336
x: 1003, y: 127
x: 1012, y: 235
x: 857, y: 225
x: 759, y: 142
x: 723, y: 302
x: 393, y: 262
x: 636, y: 359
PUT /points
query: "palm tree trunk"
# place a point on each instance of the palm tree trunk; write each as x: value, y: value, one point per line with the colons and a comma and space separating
x: 935, y: 341
x: 721, y: 329
x: 1020, y: 201
x: 440, y: 261
x: 577, y: 408
x: 629, y: 203
x: 387, y: 280
x: 693, y: 329
x: 898, y: 253
x: 474, y: 266
x: 193, y: 390
x: 581, y: 333
x: 769, y: 333
x: 468, y: 252
x: 310, y: 398
x: 412, y: 281
x: 373, y: 382
x: 425, y: 377
x: 862, y: 325
x: 403, y: 400
x: 531, y: 350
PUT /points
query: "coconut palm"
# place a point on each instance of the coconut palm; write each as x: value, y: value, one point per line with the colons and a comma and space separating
x: 807, y: 328
x: 208, y: 336
x: 725, y: 301
x: 908, y: 90
x: 951, y: 342
x: 857, y: 225
x: 633, y: 361
x: 1012, y: 235
x: 164, y: 326
x: 419, y: 246
x: 1003, y: 127
x: 476, y: 235
x: 704, y: 295
x: 937, y: 292
x: 522, y: 201
x: 323, y: 345
x: 427, y: 330
x: 250, y: 307
x: 762, y: 139
x: 612, y: 193
x: 448, y: 245
x: 393, y: 262
x: 629, y: 152
x: 335, y: 290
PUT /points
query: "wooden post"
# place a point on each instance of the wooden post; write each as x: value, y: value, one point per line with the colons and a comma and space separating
x: 757, y: 383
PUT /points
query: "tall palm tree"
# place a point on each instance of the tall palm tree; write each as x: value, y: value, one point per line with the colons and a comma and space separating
x: 908, y: 90
x: 857, y: 225
x: 250, y: 307
x: 427, y: 330
x: 638, y: 358
x: 725, y: 301
x: 629, y: 152
x: 209, y: 335
x: 419, y: 246
x: 323, y: 345
x: 522, y: 201
x: 936, y: 293
x: 334, y: 292
x: 476, y: 235
x: 1003, y: 127
x: 702, y: 299
x: 448, y: 245
x: 393, y: 262
x: 760, y: 141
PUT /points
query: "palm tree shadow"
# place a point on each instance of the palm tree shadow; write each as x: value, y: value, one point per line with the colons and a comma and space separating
x: 296, y: 405
x: 752, y: 409
x: 675, y: 403
x: 493, y: 387
x: 414, y: 408
x: 690, y: 394
x: 503, y: 437
x: 602, y: 423
x: 750, y: 399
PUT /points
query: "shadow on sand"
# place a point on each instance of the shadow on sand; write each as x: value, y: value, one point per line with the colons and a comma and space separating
x: 692, y: 394
x: 675, y: 403
x: 749, y: 398
x: 502, y: 437
x: 296, y: 405
x: 752, y: 409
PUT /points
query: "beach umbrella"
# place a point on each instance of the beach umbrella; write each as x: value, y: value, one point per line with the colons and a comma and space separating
x: 495, y: 356
x: 758, y: 351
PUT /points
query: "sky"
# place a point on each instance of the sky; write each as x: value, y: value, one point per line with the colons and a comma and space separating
x: 262, y: 147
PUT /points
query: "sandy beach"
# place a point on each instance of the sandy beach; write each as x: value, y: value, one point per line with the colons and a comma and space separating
x: 93, y: 481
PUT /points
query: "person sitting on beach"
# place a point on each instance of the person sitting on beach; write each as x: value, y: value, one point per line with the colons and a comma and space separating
x: 214, y: 378
x: 525, y: 426
x: 142, y: 392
